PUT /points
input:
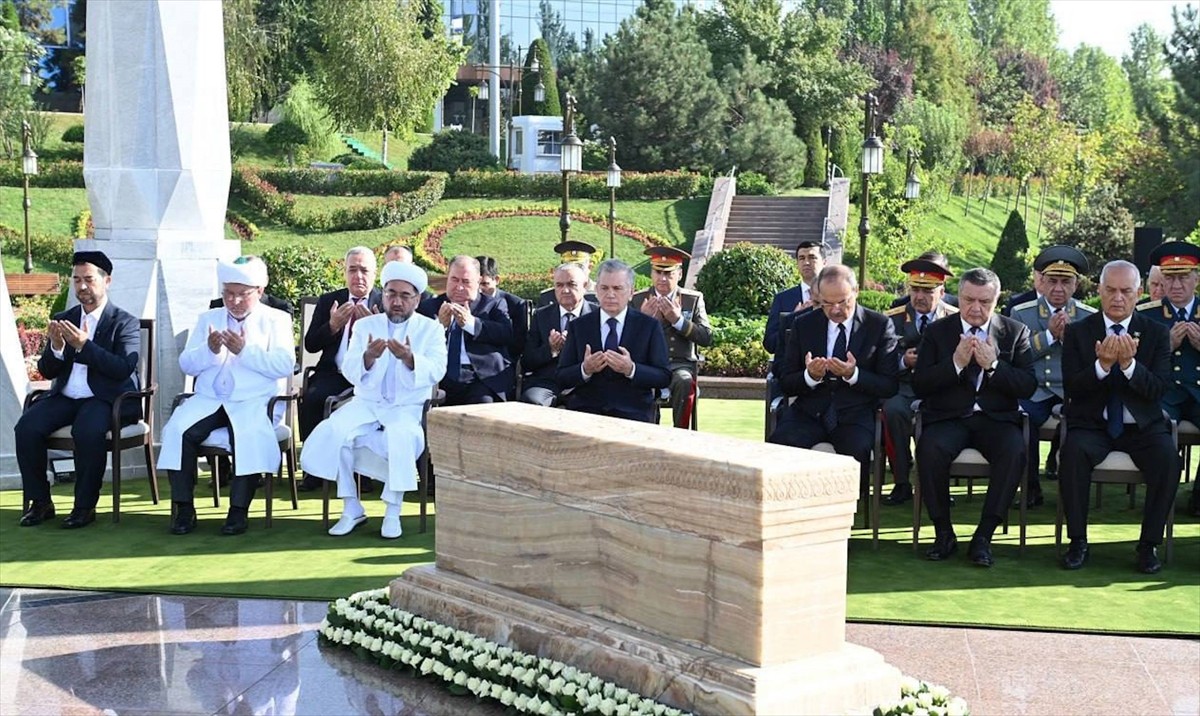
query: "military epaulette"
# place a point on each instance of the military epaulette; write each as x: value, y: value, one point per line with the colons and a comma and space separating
x: 1027, y: 304
x: 896, y: 311
x: 1149, y: 305
x: 951, y: 309
x: 1081, y: 306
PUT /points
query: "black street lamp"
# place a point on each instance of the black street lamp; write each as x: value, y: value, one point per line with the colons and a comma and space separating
x: 572, y: 161
x: 912, y: 185
x: 613, y: 181
x: 872, y: 163
x: 28, y: 168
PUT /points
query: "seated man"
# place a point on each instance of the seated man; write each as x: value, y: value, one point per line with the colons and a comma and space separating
x: 1116, y: 369
x: 91, y: 355
x: 241, y: 356
x: 1047, y: 317
x: 1156, y: 289
x: 478, y: 332
x: 972, y: 369
x: 1025, y: 296
x: 939, y: 259
x: 839, y: 364
x: 280, y: 304
x: 394, y: 360
x: 548, y: 335
x: 333, y: 322
x: 810, y: 259
x: 614, y: 359
x: 573, y: 252
x: 518, y: 310
x: 925, y: 304
x: 684, y: 321
x: 404, y: 255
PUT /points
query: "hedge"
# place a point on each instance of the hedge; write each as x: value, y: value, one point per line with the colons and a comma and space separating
x: 67, y: 174
x: 634, y: 185
x: 737, y: 348
x: 52, y: 249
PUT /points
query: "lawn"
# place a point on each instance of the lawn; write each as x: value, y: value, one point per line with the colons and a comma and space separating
x: 51, y: 211
x: 398, y: 148
x: 524, y: 244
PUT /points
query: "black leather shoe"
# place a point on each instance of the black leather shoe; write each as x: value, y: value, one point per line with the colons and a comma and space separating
x: 235, y: 523
x: 185, y: 518
x: 38, y: 513
x: 980, y: 551
x: 943, y: 547
x: 79, y: 518
x: 310, y: 483
x: 1076, y: 555
x: 1147, y: 559
x: 901, y: 493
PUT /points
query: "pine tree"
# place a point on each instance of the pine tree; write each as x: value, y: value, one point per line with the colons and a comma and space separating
x: 551, y: 106
x: 1009, y: 261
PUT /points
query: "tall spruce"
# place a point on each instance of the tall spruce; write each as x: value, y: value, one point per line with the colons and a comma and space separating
x: 551, y: 105
x: 1010, y: 262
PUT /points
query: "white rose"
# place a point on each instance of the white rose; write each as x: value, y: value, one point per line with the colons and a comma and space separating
x: 427, y: 665
x: 507, y: 697
x: 622, y: 709
x: 520, y: 702
x: 957, y: 707
x: 496, y: 691
x: 460, y: 678
x: 621, y: 694
x: 439, y: 669
x: 940, y: 693
x: 555, y: 687
x: 925, y: 699
x: 347, y: 637
x: 546, y: 708
x: 569, y: 688
x: 506, y: 670
x: 608, y: 707
x: 543, y: 681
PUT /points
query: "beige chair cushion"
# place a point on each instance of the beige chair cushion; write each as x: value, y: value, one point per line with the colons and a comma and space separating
x: 141, y: 427
x: 1117, y: 460
x: 970, y: 456
x: 825, y: 447
x: 1188, y: 428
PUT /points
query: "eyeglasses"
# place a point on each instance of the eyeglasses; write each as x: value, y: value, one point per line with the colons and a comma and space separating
x: 393, y: 295
x: 235, y: 295
x: 844, y: 303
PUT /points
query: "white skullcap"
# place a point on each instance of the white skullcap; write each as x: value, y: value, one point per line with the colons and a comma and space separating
x: 396, y: 271
x: 251, y: 271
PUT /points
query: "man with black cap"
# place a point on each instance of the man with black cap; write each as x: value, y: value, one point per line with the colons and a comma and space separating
x: 91, y: 355
x: 1179, y: 263
x: 684, y: 321
x: 241, y: 356
x: 394, y: 360
x: 1059, y: 269
x: 810, y: 259
x: 573, y: 252
x: 925, y: 304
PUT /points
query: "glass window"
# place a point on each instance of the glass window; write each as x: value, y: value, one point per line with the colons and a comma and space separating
x: 549, y: 143
x: 518, y: 142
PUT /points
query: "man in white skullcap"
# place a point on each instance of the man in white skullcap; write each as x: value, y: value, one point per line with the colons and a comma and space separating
x: 241, y: 356
x: 394, y: 360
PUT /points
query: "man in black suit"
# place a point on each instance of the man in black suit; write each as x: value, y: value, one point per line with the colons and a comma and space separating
x: 478, y: 333
x: 329, y: 334
x: 517, y: 307
x: 1116, y: 369
x: 839, y: 364
x: 615, y: 358
x: 971, y: 370
x: 810, y: 259
x: 548, y: 335
x: 91, y: 355
x: 573, y: 252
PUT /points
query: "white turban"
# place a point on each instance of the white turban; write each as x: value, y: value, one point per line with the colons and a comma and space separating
x: 396, y: 271
x: 251, y: 271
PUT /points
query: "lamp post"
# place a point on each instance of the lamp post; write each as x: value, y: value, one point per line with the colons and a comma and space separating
x: 613, y: 181
x: 28, y: 168
x: 912, y: 185
x: 572, y: 161
x: 26, y: 76
x: 872, y: 163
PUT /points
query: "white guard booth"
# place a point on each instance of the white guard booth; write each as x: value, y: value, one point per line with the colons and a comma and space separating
x: 536, y: 144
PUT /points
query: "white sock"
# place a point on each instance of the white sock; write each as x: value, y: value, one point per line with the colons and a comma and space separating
x: 393, y: 510
x: 353, y: 507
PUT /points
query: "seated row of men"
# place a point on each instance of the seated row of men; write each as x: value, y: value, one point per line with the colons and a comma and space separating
x: 976, y: 373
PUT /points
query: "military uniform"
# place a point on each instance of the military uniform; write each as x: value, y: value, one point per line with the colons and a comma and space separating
x: 682, y: 346
x: 1182, y: 401
x: 573, y: 252
x: 1047, y: 355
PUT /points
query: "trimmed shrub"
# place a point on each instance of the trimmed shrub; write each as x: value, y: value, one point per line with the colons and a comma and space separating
x: 550, y: 106
x: 359, y: 163
x: 744, y: 278
x: 1010, y: 260
x: 634, y: 185
x: 297, y: 271
x: 737, y: 349
x: 245, y: 229
x: 453, y: 151
x: 73, y: 134
x: 754, y: 184
x: 66, y: 174
x: 875, y: 300
x: 287, y: 137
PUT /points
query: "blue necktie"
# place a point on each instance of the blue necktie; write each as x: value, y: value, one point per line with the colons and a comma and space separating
x: 612, y: 341
x: 1180, y: 316
x: 839, y: 343
x: 454, y: 353
x: 1116, y: 408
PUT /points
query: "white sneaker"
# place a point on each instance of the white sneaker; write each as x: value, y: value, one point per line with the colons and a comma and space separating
x: 391, y: 528
x: 346, y: 524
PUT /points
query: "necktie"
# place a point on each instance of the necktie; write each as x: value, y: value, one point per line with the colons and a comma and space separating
x: 1180, y: 316
x: 1116, y: 407
x: 566, y: 321
x: 612, y: 341
x: 454, y: 353
x: 353, y: 318
x: 830, y: 419
x: 922, y: 323
x: 839, y: 343
x: 973, y: 370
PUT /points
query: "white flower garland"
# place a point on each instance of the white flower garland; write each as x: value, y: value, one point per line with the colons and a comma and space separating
x: 395, y: 639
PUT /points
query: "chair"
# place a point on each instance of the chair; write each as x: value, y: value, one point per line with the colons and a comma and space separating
x: 872, y: 500
x: 971, y: 465
x: 424, y: 463
x: 1116, y: 468
x: 1189, y: 437
x: 306, y: 362
x: 663, y: 399
x: 1045, y: 433
x: 123, y: 437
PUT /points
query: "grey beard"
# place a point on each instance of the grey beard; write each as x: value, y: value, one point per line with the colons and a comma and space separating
x: 397, y: 319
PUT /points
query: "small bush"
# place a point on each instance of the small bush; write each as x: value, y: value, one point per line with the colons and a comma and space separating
x: 286, y: 137
x: 452, y: 151
x: 634, y: 185
x: 754, y: 184
x: 744, y: 278
x: 875, y: 300
x: 73, y: 134
x: 51, y: 249
x: 297, y: 271
x: 1103, y: 231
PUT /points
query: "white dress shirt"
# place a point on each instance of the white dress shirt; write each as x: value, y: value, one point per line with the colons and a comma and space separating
x: 77, y: 383
x: 1102, y: 374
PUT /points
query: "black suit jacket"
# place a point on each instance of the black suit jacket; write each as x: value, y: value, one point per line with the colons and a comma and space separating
x: 1142, y: 394
x: 949, y: 395
x: 266, y: 299
x: 518, y: 313
x: 873, y: 343
x: 607, y: 392
x: 947, y: 298
x: 111, y: 357
x: 488, y: 348
x: 320, y: 339
x: 538, y: 364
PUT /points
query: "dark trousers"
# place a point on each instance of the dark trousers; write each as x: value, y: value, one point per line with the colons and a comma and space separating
x: 1000, y: 443
x: 183, y: 480
x: 682, y: 375
x: 1153, y: 453
x: 321, y: 385
x: 898, y: 417
x: 89, y: 420
x: 471, y: 390
x: 852, y: 437
x: 1039, y: 412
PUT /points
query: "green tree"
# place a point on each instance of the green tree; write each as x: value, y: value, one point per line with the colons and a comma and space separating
x: 1019, y: 24
x: 1183, y: 140
x: 9, y: 20
x: 1011, y: 260
x: 551, y: 106
x: 558, y: 39
x: 269, y: 45
x: 382, y: 74
x: 18, y: 52
x: 1094, y: 91
x: 744, y: 278
x: 319, y: 136
x: 1149, y: 81
x: 1103, y: 230
x: 936, y: 37
x: 942, y: 131
x: 761, y: 131
x: 654, y: 90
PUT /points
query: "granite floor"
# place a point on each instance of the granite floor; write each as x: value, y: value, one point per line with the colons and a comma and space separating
x: 102, y: 653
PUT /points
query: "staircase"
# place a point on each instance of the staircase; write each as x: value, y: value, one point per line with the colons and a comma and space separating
x: 357, y: 147
x: 780, y: 221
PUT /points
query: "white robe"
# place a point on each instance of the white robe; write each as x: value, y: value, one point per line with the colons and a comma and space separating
x: 260, y: 372
x: 390, y: 430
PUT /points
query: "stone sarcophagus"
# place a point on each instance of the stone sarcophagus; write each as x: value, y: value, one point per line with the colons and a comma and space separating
x: 704, y: 571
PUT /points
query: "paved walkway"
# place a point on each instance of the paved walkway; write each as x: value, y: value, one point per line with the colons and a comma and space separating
x: 81, y: 653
